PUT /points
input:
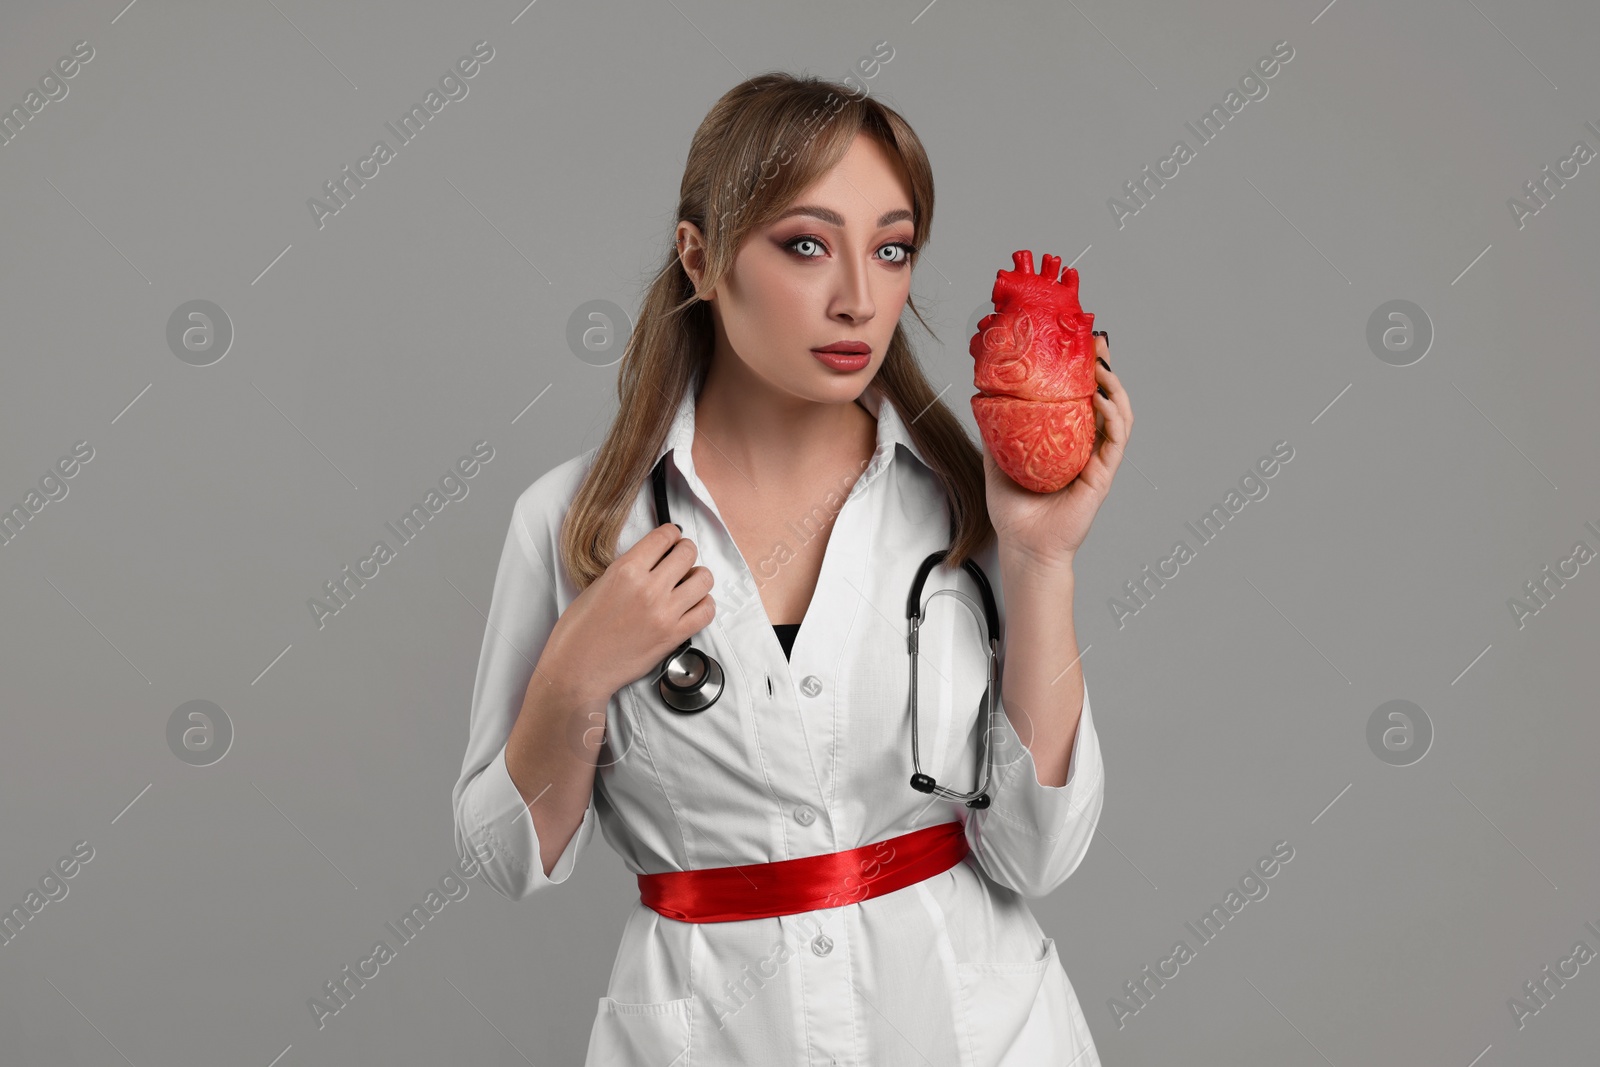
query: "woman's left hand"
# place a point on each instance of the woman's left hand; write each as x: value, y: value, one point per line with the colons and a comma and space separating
x: 1045, y: 529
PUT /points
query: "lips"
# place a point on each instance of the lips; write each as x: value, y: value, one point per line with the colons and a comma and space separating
x: 847, y: 348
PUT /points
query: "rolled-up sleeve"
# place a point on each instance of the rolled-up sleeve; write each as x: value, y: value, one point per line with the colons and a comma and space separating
x: 493, y: 825
x: 1032, y: 836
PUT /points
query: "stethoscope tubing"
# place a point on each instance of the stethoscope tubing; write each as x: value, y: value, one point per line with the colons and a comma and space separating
x: 690, y: 698
x: 979, y: 797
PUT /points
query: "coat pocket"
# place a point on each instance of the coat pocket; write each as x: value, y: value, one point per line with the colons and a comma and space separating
x: 639, y: 1035
x: 996, y: 1001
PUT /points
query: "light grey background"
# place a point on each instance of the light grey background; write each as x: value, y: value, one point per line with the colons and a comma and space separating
x: 433, y: 310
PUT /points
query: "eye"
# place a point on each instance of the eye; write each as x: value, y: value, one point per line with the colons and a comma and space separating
x: 907, y: 251
x: 793, y: 245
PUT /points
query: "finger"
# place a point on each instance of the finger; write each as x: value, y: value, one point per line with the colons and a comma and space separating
x: 1101, y: 350
x: 692, y: 588
x: 676, y: 563
x: 1116, y: 407
x: 1116, y: 435
x: 1095, y: 464
x: 655, y: 544
x: 1106, y: 376
x: 1113, y: 390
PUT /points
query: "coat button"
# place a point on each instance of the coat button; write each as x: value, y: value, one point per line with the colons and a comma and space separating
x: 810, y: 685
x: 822, y: 944
x: 805, y: 815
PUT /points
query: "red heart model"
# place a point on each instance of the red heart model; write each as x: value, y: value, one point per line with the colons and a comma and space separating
x: 1034, y: 360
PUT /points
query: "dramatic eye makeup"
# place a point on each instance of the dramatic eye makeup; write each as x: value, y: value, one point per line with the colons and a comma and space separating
x: 798, y: 246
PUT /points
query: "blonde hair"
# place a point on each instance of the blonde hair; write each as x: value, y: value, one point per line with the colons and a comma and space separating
x: 764, y: 142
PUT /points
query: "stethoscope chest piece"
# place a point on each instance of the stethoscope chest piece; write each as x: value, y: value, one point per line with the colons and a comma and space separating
x: 691, y: 681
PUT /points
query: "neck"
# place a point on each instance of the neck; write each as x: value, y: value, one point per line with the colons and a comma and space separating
x: 761, y: 434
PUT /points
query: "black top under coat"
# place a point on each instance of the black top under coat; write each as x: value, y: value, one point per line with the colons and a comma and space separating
x: 786, y: 635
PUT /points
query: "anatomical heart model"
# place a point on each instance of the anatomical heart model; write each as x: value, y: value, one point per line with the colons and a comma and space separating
x: 1034, y: 372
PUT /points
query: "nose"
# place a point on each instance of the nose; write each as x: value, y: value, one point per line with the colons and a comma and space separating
x: 852, y: 300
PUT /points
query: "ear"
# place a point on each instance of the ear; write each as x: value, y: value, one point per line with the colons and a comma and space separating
x: 691, y: 251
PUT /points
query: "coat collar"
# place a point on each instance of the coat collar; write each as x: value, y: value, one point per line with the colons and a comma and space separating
x: 891, y: 431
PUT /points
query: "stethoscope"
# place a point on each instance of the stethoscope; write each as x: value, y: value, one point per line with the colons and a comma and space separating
x: 690, y: 681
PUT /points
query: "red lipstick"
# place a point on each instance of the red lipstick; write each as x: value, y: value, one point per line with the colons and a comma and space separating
x: 845, y: 355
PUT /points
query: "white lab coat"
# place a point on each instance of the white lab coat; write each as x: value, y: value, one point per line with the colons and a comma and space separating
x: 801, y: 757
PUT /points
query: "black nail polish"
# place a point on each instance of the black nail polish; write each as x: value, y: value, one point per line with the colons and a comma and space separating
x: 1103, y: 363
x: 1103, y: 392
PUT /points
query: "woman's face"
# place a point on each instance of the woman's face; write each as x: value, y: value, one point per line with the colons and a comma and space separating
x: 837, y: 268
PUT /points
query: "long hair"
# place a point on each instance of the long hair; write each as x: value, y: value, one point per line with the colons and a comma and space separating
x: 763, y: 143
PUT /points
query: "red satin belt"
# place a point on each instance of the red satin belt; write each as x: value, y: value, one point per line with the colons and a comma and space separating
x: 786, y: 887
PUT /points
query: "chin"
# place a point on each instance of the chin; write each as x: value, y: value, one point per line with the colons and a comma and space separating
x: 840, y: 390
x: 846, y: 386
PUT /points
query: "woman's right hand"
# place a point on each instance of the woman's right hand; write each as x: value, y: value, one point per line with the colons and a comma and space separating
x: 625, y: 623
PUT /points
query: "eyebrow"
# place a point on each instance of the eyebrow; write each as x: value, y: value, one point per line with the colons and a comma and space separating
x: 830, y: 216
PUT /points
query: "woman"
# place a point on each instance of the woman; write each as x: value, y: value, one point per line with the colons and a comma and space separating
x: 812, y: 486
